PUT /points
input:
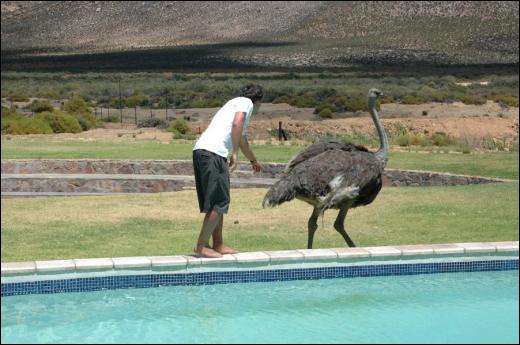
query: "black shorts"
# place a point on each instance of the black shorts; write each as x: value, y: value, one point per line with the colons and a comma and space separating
x: 212, y: 181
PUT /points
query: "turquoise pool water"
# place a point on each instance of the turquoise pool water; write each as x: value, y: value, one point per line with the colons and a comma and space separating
x: 477, y: 307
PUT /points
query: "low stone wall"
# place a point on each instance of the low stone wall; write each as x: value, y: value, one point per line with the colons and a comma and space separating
x: 399, y: 178
x: 139, y: 167
x: 127, y: 176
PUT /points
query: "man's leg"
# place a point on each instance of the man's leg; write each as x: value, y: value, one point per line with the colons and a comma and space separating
x: 210, y: 224
x: 218, y: 240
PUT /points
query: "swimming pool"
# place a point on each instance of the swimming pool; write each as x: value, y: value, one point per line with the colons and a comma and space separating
x: 475, y: 307
x: 391, y: 298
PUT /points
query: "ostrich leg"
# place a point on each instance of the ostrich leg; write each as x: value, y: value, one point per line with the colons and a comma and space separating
x: 340, y: 227
x: 312, y: 226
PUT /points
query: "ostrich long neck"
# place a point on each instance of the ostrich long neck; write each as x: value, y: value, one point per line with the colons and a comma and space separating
x: 382, y: 153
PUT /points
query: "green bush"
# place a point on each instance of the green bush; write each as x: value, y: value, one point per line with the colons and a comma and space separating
x: 325, y: 113
x: 403, y: 140
x: 18, y: 97
x: 76, y: 105
x: 441, y: 139
x: 355, y: 104
x: 61, y: 122
x: 511, y: 101
x: 14, y: 123
x: 136, y: 100
x: 112, y: 119
x: 180, y: 126
x: 153, y: 123
x: 322, y: 106
x: 78, y: 108
x: 410, y: 99
x: 41, y: 106
x: 472, y: 99
x: 282, y: 99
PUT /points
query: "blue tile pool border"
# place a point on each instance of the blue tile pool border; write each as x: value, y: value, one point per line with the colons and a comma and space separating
x: 248, y: 276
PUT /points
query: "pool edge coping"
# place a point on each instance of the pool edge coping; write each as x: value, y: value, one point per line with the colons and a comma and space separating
x: 259, y: 258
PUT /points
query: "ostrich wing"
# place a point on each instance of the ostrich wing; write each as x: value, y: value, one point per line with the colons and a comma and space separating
x: 314, y: 177
x: 319, y: 148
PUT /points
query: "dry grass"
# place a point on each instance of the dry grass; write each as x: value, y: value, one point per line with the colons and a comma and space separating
x: 168, y: 223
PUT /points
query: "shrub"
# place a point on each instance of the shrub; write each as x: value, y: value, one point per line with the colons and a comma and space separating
x: 112, y: 119
x: 325, y: 113
x: 471, y: 99
x: 180, y: 126
x: 18, y: 97
x: 41, y: 106
x: 25, y: 125
x: 403, y: 140
x: 511, y: 101
x: 61, y: 122
x: 441, y: 139
x: 153, y: 122
x: 14, y: 123
x: 302, y: 102
x: 355, y: 104
x: 282, y: 99
x: 78, y: 108
x: 136, y: 100
x: 410, y: 99
x: 76, y: 105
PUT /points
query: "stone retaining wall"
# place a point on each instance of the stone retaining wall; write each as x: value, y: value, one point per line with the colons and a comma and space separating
x: 165, y: 176
x: 102, y: 166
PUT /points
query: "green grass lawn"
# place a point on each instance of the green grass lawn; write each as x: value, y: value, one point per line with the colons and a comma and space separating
x: 495, y: 164
x: 168, y: 223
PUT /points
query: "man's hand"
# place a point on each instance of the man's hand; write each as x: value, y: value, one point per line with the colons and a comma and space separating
x: 257, y: 167
x: 233, y: 162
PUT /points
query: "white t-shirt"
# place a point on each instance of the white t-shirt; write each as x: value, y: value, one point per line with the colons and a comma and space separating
x: 217, y: 137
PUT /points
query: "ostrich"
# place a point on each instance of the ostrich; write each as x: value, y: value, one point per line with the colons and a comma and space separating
x: 334, y: 175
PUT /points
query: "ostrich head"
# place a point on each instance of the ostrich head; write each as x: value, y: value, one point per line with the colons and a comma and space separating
x: 374, y: 94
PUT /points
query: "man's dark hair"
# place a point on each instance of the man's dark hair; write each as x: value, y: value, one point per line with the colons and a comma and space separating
x: 252, y: 91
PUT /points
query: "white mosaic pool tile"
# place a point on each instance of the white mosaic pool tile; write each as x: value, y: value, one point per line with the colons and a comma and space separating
x: 285, y: 255
x: 477, y: 247
x: 55, y: 265
x: 347, y: 253
x: 18, y: 267
x: 132, y: 262
x: 510, y: 246
x: 383, y: 251
x: 93, y: 264
x: 318, y: 254
x: 416, y: 249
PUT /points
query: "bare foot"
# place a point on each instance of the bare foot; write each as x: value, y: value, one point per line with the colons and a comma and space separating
x: 206, y: 252
x: 222, y: 249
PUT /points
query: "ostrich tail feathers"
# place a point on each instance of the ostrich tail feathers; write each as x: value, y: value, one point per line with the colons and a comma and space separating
x: 279, y: 193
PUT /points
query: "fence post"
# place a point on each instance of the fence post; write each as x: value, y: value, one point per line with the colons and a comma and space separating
x: 101, y: 113
x: 151, y: 114
x: 120, y: 103
x: 166, y: 104
x: 280, y: 130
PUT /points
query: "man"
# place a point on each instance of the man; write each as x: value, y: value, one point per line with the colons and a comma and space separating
x: 224, y: 135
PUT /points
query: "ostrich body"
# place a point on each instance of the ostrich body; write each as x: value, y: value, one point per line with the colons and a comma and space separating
x: 330, y: 175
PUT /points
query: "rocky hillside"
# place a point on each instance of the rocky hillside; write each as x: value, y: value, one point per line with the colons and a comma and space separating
x: 269, y: 33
